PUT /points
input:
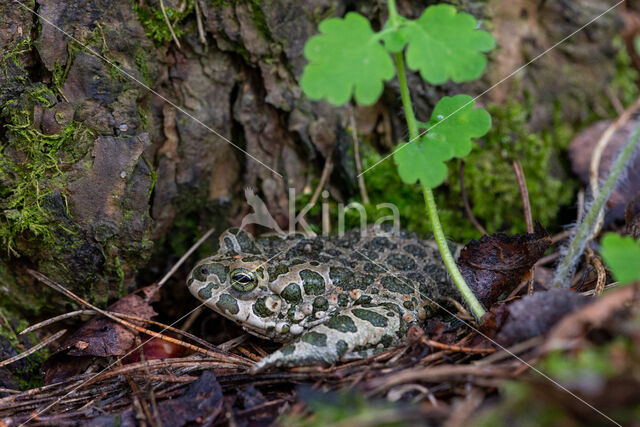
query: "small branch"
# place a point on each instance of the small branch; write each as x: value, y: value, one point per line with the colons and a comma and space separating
x: 166, y: 20
x: 181, y: 261
x: 44, y: 279
x: 203, y: 38
x: 56, y: 319
x: 615, y: 102
x: 456, y: 348
x: 465, y: 200
x: 356, y: 154
x: 128, y: 317
x: 33, y: 349
x: 524, y: 193
x: 595, y: 261
x: 526, y: 206
x: 326, y: 171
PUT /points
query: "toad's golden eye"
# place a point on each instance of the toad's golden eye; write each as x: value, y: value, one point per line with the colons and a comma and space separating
x: 243, y: 280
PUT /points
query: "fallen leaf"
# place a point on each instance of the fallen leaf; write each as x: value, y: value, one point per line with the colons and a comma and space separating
x: 536, y: 314
x: 581, y: 150
x: 496, y: 264
x: 577, y: 324
x: 100, y: 336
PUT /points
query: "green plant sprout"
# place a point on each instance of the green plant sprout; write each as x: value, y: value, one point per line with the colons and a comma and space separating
x: 622, y: 256
x: 583, y: 232
x: 349, y: 59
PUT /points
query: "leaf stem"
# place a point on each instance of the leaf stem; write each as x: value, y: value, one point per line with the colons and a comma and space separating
x: 432, y: 210
x: 393, y: 13
x: 409, y: 115
x: 476, y: 308
x: 581, y: 238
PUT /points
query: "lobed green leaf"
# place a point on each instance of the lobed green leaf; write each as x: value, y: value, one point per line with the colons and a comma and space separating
x: 346, y: 59
x: 622, y: 256
x: 444, y: 44
x: 454, y: 122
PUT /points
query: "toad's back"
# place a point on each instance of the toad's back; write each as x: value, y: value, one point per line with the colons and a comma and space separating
x: 330, y: 297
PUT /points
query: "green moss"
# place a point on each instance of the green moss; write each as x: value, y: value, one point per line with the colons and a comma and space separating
x: 26, y: 371
x: 490, y: 181
x: 31, y: 167
x: 625, y: 81
x: 155, y: 25
x: 258, y: 18
x: 10, y: 60
x: 141, y: 60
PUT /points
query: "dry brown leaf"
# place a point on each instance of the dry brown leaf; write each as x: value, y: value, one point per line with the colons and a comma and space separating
x: 495, y: 264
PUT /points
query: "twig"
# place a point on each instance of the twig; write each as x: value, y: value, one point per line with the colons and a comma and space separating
x: 547, y: 259
x: 129, y: 317
x: 560, y: 236
x: 615, y: 102
x: 56, y: 319
x: 465, y: 200
x: 599, y: 148
x: 356, y: 154
x: 181, y: 261
x: 44, y: 279
x: 457, y: 348
x: 203, y: 38
x: 192, y: 318
x: 33, y: 349
x: 166, y: 20
x: 524, y: 193
x: 138, y: 400
x: 595, y: 261
x: 149, y: 389
x: 326, y: 171
x: 158, y: 364
x: 526, y: 206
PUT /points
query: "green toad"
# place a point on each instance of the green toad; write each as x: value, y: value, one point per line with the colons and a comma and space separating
x: 328, y: 298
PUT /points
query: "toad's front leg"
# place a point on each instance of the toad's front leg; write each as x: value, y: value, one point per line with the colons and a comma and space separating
x: 354, y: 333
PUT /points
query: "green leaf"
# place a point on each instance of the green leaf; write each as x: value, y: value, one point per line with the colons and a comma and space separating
x: 445, y: 44
x: 346, y: 58
x: 423, y: 160
x: 622, y: 256
x: 456, y: 121
x: 453, y: 123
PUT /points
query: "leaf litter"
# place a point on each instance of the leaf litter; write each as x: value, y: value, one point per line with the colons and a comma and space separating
x: 430, y: 372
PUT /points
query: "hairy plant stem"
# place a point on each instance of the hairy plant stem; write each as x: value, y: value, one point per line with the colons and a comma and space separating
x: 581, y: 238
x: 432, y: 210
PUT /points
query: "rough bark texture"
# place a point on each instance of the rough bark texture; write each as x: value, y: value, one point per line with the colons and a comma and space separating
x: 130, y: 165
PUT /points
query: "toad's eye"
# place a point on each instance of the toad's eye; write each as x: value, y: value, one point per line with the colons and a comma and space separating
x: 243, y: 280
